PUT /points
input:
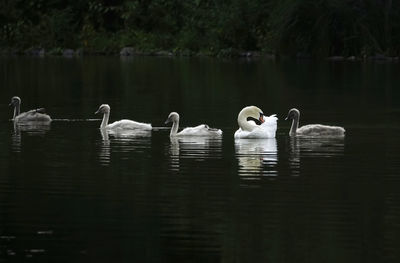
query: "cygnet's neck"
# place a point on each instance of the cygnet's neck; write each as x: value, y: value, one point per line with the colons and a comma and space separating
x: 16, y: 110
x: 295, y: 125
x: 104, y: 122
x: 175, y: 127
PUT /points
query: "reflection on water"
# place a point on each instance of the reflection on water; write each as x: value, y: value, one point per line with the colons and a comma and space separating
x: 256, y: 157
x: 174, y: 154
x: 31, y: 129
x: 74, y: 194
x: 322, y: 147
x: 104, y: 153
x: 127, y: 134
x: 194, y: 147
x: 294, y: 155
x: 308, y: 147
x: 122, y: 141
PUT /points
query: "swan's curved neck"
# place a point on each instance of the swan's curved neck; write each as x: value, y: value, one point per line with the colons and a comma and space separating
x: 175, y: 127
x: 16, y: 111
x: 104, y: 122
x: 295, y: 125
x: 244, y: 124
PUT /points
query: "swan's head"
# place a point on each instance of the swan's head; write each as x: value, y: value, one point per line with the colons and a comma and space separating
x: 172, y: 117
x: 104, y: 108
x: 15, y: 101
x: 252, y: 113
x: 293, y: 114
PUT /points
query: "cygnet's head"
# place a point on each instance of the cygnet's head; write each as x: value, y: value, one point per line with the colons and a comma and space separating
x: 172, y: 117
x: 293, y: 114
x: 15, y: 101
x: 104, y: 108
x: 254, y: 113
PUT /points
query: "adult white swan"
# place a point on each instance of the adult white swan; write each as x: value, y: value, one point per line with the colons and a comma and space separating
x: 119, y: 125
x: 36, y: 115
x: 201, y: 130
x: 311, y: 129
x: 253, y: 124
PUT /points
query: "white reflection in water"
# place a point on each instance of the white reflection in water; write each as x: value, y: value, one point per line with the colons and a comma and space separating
x: 30, y: 128
x: 256, y: 157
x: 104, y: 153
x: 122, y: 141
x: 174, y: 154
x: 197, y: 147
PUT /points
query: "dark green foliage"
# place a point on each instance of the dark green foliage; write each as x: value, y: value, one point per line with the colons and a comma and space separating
x: 287, y: 27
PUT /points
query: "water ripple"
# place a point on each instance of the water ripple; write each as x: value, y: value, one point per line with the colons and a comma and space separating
x: 196, y: 148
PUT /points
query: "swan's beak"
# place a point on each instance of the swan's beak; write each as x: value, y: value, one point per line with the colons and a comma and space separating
x: 167, y: 121
x: 97, y: 111
x: 287, y: 117
x: 261, y: 118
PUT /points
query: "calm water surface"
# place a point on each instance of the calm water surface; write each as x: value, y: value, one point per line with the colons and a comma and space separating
x: 69, y: 193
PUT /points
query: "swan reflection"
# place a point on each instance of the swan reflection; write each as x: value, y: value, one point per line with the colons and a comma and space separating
x: 122, y: 141
x: 30, y: 128
x: 104, y: 153
x: 306, y: 147
x: 195, y: 147
x: 312, y: 146
x: 256, y: 157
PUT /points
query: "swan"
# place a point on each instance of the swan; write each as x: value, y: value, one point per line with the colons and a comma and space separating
x: 119, y: 125
x: 201, y: 130
x: 253, y: 124
x: 311, y: 129
x: 36, y: 115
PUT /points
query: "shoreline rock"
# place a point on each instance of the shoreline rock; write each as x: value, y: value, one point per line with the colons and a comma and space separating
x: 224, y: 53
x: 127, y: 51
x: 336, y: 58
x: 35, y: 52
x: 163, y: 53
x: 68, y: 53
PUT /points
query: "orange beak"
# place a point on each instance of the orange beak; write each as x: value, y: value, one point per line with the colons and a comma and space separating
x: 261, y: 118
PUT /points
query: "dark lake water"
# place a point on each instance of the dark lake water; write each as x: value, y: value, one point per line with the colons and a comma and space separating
x: 69, y: 193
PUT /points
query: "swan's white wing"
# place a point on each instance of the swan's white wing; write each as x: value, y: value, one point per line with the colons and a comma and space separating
x: 320, y: 130
x: 200, y: 130
x: 270, y: 121
x: 129, y: 125
x: 266, y: 130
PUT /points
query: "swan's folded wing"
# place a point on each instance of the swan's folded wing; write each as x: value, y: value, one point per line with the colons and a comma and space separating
x: 320, y: 130
x: 129, y: 125
x: 200, y: 130
x: 35, y: 115
x: 267, y: 129
x: 270, y: 122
